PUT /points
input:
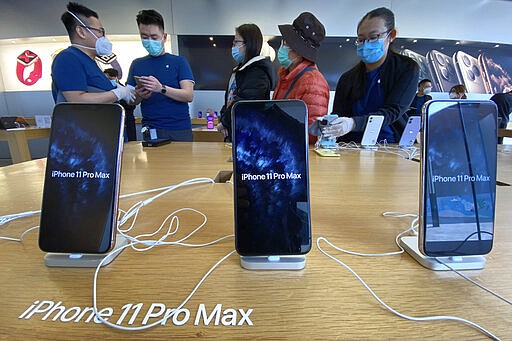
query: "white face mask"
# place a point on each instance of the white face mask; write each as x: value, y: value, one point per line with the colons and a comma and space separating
x: 103, y: 46
x: 427, y: 90
x: 453, y: 95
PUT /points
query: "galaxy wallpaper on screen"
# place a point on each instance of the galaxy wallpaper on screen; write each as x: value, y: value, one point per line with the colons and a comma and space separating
x: 271, y: 190
x: 79, y: 192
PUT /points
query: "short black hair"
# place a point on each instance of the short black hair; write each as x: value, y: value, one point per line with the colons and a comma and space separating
x: 150, y: 17
x: 80, y: 11
x: 423, y: 81
x: 381, y: 12
x: 251, y: 34
x: 111, y: 72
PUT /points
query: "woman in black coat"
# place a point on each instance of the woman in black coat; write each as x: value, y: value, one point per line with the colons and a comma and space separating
x: 253, y: 77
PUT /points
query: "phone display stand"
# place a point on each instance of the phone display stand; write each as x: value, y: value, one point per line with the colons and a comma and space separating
x: 297, y: 262
x: 84, y: 260
x: 410, y: 244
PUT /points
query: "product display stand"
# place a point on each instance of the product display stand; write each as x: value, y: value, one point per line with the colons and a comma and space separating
x: 410, y: 244
x: 296, y: 262
x: 84, y: 260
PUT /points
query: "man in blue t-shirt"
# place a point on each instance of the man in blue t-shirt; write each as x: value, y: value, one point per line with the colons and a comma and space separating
x: 75, y: 75
x: 164, y: 82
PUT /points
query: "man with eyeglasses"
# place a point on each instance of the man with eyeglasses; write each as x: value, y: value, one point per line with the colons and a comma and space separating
x: 76, y: 76
x: 383, y: 83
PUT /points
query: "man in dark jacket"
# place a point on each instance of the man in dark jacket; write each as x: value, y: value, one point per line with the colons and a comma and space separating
x: 383, y: 83
x: 422, y: 97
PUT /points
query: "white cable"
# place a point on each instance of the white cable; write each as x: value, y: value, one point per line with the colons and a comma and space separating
x: 173, y: 226
x: 155, y: 243
x: 20, y: 239
x: 413, y: 227
x: 481, y: 286
x: 404, y: 316
x: 9, y: 217
x: 135, y: 208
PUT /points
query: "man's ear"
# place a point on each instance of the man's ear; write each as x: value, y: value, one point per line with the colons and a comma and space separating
x: 392, y: 35
x: 80, y: 32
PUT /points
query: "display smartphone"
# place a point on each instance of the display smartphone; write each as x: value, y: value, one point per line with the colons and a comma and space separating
x: 81, y: 185
x: 372, y: 130
x: 458, y: 178
x: 496, y: 78
x: 469, y: 72
x: 270, y: 164
x: 422, y: 63
x: 411, y: 131
x: 443, y: 70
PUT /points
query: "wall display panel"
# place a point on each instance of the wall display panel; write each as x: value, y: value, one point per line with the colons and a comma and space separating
x: 484, y: 68
x: 26, y: 63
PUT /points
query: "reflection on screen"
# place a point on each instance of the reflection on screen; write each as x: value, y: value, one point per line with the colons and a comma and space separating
x: 270, y: 156
x: 460, y: 173
x: 80, y: 180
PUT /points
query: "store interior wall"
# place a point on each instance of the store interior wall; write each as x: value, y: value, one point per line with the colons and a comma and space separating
x: 473, y: 20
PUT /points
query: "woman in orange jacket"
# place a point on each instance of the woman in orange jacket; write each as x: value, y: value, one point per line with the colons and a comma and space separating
x: 299, y: 77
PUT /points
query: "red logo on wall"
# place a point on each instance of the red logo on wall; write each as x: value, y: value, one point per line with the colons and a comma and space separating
x: 24, y: 60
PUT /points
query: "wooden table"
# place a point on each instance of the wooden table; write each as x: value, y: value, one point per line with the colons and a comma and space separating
x: 18, y: 141
x: 323, y: 301
x: 203, y: 134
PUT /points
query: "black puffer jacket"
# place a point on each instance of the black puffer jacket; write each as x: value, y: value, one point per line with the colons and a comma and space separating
x: 254, y: 81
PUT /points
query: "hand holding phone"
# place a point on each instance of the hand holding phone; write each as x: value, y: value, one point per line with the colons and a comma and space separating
x: 138, y: 81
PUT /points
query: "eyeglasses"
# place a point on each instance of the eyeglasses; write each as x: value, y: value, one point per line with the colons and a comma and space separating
x: 100, y: 30
x: 372, y: 39
x: 238, y: 41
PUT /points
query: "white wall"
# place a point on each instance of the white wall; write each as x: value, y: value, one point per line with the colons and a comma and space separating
x: 477, y: 20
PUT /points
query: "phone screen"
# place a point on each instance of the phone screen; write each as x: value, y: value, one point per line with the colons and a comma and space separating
x: 270, y: 155
x: 458, y: 178
x: 79, y: 208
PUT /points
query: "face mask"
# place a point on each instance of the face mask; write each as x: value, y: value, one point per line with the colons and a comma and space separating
x: 282, y: 56
x: 237, y: 56
x: 371, y: 52
x: 427, y: 90
x: 154, y: 47
x: 103, y: 46
x: 114, y: 83
x: 453, y: 95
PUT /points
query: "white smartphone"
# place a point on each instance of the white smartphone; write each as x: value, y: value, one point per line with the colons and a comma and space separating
x: 411, y: 131
x: 372, y: 131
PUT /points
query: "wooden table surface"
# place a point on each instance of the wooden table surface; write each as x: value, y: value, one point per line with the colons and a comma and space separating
x: 323, y: 301
x: 17, y: 139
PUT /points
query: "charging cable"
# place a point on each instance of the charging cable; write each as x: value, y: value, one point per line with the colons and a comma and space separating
x: 404, y: 316
x: 147, y: 241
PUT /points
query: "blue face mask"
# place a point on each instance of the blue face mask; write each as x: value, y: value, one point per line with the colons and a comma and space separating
x: 237, y: 55
x: 282, y: 56
x: 114, y: 83
x: 154, y: 47
x: 371, y: 52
